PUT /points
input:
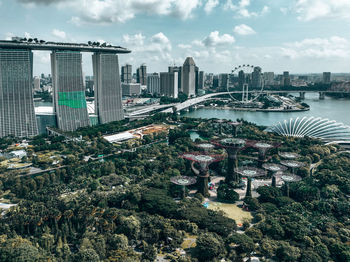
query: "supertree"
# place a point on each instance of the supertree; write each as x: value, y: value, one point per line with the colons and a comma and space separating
x: 183, y: 181
x: 204, y: 160
x: 273, y: 168
x: 232, y: 147
x: 235, y: 127
x: 263, y: 148
x: 205, y: 146
x: 249, y: 173
x: 292, y: 164
x: 289, y: 155
x: 288, y: 178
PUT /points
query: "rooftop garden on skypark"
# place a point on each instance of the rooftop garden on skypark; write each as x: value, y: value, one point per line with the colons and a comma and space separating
x: 133, y: 206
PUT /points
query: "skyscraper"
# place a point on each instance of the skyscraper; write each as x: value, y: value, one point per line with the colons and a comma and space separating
x: 108, y: 94
x: 201, y: 80
x: 286, y: 78
x: 141, y: 75
x: 196, y: 73
x: 169, y: 84
x: 257, y: 80
x: 17, y: 116
x: 269, y: 78
x: 326, y: 77
x: 178, y: 69
x: 241, y: 79
x: 223, y: 81
x: 153, y: 84
x: 126, y: 73
x: 189, y: 77
x: 69, y: 94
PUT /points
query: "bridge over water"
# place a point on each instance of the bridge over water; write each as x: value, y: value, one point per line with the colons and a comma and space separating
x: 198, y: 100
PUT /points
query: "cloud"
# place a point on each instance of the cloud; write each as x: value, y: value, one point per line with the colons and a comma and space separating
x: 156, y: 47
x: 244, y: 30
x: 241, y: 9
x: 215, y: 39
x: 43, y: 2
x: 136, y: 39
x: 314, y: 9
x: 120, y: 11
x: 210, y: 5
x: 59, y: 34
x: 333, y: 47
x: 184, y: 46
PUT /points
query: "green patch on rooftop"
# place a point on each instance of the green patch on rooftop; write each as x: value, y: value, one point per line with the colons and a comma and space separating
x: 75, y: 99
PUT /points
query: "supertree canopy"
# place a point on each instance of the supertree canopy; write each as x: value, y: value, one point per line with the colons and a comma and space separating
x: 250, y: 172
x: 204, y: 160
x: 288, y: 155
x: 235, y: 126
x: 206, y: 146
x: 288, y: 178
x: 263, y: 148
x: 273, y: 168
x: 183, y: 181
x: 292, y: 164
x: 232, y: 147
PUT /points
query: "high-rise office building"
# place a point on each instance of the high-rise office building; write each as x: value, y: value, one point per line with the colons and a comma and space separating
x: 189, y: 77
x: 201, y: 80
x: 286, y: 78
x: 257, y: 80
x: 69, y: 94
x: 169, y: 84
x: 131, y: 89
x: 215, y: 81
x: 178, y: 69
x: 141, y: 75
x: 108, y: 93
x: 209, y: 79
x: 269, y: 78
x: 153, y: 84
x: 196, y: 70
x: 126, y: 73
x: 241, y: 79
x: 17, y: 116
x: 223, y: 81
x: 326, y: 77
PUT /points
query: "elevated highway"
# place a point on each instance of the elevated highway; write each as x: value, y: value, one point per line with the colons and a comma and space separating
x: 197, y: 100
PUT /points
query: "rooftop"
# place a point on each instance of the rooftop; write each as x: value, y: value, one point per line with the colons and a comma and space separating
x: 35, y: 44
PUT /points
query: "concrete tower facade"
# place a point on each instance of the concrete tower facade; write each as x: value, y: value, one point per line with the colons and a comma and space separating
x: 108, y: 94
x: 141, y: 75
x: 17, y: 116
x: 69, y: 94
x: 153, y: 85
x: 169, y: 84
x: 126, y: 73
x: 189, y: 77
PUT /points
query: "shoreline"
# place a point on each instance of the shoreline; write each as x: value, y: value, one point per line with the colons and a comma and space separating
x: 257, y: 109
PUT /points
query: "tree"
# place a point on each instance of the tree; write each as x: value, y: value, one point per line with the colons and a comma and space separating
x: 87, y: 255
x: 286, y: 252
x: 149, y: 253
x: 241, y: 243
x: 209, y: 246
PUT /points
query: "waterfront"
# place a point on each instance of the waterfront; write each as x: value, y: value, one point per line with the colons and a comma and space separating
x: 331, y: 108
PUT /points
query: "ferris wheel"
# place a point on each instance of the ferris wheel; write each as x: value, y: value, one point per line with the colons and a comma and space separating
x: 248, y: 76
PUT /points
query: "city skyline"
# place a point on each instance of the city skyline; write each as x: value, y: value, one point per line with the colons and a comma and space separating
x: 299, y: 37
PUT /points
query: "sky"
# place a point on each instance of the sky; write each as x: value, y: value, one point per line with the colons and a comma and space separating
x: 300, y: 36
